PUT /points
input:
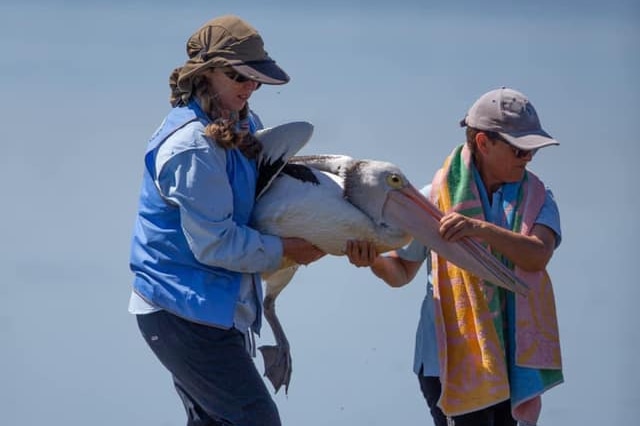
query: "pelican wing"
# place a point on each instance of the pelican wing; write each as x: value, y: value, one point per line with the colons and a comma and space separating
x: 279, y: 144
x: 334, y: 164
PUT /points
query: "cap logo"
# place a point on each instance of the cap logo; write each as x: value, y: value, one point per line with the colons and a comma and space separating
x: 516, y: 106
x: 518, y: 114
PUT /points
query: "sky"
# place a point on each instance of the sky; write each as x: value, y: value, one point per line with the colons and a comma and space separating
x: 85, y: 85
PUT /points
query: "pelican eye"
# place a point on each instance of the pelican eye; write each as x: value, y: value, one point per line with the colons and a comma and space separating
x: 395, y: 181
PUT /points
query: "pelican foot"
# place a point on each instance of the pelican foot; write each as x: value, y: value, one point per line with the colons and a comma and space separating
x: 277, y: 366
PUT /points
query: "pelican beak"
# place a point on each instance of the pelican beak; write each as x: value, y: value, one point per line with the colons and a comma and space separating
x: 420, y: 218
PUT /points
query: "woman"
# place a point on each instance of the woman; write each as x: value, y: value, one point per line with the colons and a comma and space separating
x: 197, y: 292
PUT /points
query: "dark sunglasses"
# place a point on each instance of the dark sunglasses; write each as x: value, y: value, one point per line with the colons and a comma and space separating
x: 518, y: 152
x: 238, y: 78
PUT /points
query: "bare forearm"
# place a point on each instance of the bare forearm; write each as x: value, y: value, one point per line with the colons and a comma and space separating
x: 529, y: 252
x: 391, y: 271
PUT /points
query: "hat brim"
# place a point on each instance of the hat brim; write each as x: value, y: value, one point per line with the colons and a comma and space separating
x: 265, y: 72
x: 529, y: 141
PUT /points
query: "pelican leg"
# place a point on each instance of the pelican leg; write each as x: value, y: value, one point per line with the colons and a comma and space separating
x: 277, y: 359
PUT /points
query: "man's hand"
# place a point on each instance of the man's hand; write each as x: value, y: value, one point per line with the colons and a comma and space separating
x: 361, y: 253
x: 454, y: 226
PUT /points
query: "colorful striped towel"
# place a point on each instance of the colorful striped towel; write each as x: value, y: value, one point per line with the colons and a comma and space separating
x: 472, y: 317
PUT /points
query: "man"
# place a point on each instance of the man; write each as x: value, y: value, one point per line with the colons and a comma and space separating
x: 496, y: 352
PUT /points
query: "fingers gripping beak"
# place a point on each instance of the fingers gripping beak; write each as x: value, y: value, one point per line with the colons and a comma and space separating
x: 419, y: 217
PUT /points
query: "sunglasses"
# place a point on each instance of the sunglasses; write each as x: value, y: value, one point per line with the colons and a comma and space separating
x: 238, y: 78
x: 518, y: 152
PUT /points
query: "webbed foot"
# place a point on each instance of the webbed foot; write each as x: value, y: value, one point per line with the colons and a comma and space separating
x: 277, y: 366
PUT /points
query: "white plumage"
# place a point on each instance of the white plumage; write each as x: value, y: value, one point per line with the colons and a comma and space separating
x: 324, y: 213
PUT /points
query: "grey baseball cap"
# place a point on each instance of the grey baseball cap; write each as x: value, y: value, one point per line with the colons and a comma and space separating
x: 510, y: 114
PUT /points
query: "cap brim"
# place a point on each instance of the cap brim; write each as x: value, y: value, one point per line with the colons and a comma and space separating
x: 265, y: 72
x: 529, y: 141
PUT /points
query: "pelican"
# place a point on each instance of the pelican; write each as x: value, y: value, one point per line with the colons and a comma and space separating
x: 330, y: 199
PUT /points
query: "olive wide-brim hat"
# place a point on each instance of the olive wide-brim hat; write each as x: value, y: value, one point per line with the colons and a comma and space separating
x: 229, y: 41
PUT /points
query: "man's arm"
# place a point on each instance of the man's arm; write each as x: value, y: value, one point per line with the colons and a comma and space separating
x: 529, y: 252
x: 392, y: 269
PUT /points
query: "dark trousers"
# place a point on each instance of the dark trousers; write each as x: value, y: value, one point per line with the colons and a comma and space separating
x: 213, y: 374
x: 431, y: 388
x: 496, y: 415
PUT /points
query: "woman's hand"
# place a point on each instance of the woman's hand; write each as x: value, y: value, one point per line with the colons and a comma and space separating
x: 301, y: 251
